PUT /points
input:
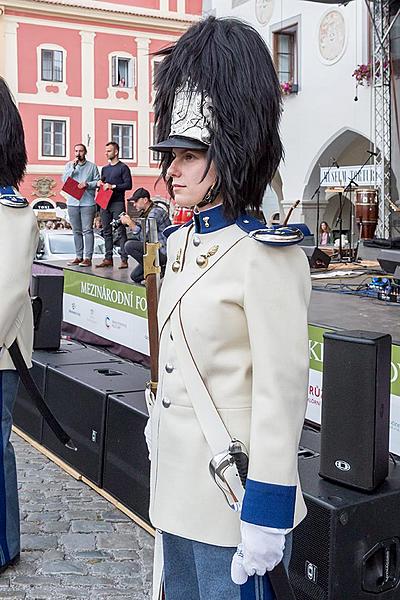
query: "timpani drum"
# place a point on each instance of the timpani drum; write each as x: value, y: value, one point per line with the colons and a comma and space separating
x: 366, y: 212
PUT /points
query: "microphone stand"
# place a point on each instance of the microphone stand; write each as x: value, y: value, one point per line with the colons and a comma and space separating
x: 349, y: 188
x: 340, y: 221
x: 317, y: 193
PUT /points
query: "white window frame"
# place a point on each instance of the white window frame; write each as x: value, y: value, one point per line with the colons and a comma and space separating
x: 112, y: 122
x: 40, y: 83
x: 113, y: 90
x: 154, y: 60
x: 42, y: 118
x: 153, y: 160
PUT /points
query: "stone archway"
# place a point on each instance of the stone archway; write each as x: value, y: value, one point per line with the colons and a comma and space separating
x: 347, y: 147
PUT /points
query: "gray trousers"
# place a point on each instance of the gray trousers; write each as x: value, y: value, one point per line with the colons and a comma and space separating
x: 81, y: 219
x: 113, y: 210
x: 9, y: 509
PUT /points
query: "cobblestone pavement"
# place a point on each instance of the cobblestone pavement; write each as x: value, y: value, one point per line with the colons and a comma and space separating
x: 75, y: 544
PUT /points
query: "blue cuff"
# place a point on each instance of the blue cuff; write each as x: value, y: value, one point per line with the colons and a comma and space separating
x: 269, y: 504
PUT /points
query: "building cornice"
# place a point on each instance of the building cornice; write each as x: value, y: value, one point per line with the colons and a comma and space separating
x: 104, y: 12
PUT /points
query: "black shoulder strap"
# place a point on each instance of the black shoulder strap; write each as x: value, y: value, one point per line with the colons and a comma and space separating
x: 37, y: 397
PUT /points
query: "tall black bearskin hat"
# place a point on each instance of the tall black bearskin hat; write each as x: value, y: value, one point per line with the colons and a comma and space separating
x: 13, y: 156
x: 217, y: 90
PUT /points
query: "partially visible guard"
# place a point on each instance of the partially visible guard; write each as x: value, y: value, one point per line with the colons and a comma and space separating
x: 18, y: 242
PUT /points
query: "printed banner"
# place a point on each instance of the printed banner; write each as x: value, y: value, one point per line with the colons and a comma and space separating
x: 341, y: 177
x: 114, y: 310
x: 316, y: 350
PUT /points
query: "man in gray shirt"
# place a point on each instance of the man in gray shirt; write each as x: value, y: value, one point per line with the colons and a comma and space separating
x: 81, y: 212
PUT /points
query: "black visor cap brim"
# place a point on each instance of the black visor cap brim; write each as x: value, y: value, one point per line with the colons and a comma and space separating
x: 179, y: 141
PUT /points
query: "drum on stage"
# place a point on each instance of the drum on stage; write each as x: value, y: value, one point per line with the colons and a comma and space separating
x: 366, y: 212
x: 182, y: 215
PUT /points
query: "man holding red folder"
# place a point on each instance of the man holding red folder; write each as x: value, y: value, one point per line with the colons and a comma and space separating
x: 115, y: 177
x: 80, y: 178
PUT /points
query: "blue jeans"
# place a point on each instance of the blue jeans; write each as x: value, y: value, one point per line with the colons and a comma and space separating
x: 81, y: 219
x: 197, y: 571
x: 9, y: 509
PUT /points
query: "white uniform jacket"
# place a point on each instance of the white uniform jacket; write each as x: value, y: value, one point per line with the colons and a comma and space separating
x: 244, y: 316
x: 18, y: 242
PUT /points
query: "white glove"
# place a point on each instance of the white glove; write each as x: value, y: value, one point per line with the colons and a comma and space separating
x: 260, y: 551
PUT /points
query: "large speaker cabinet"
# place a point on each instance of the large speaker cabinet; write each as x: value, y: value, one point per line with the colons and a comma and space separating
x: 49, y: 288
x: 26, y: 416
x: 78, y: 397
x: 126, y: 474
x: 348, y: 546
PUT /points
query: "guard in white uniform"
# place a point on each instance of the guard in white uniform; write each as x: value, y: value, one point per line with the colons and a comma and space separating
x: 233, y: 324
x: 18, y: 242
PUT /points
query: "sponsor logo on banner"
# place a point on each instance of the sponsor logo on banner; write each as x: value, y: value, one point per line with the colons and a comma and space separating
x: 111, y: 309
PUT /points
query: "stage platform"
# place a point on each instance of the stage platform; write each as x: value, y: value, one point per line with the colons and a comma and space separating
x: 122, y: 275
x: 333, y: 307
x: 328, y: 308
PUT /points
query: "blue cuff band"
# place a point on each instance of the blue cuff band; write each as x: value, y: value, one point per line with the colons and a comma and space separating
x: 269, y: 504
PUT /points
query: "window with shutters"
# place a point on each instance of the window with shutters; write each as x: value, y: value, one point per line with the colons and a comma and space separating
x: 123, y: 71
x: 51, y: 65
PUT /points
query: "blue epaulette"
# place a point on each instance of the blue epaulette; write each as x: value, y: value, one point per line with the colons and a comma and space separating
x: 172, y: 228
x: 9, y: 197
x: 276, y: 235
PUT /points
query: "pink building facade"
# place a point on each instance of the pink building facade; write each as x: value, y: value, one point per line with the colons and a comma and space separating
x: 84, y: 74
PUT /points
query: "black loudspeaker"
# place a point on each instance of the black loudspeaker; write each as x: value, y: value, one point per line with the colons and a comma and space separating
x: 316, y: 258
x: 389, y: 260
x: 348, y: 546
x: 78, y: 395
x: 126, y: 473
x: 26, y: 416
x: 49, y: 288
x: 355, y: 408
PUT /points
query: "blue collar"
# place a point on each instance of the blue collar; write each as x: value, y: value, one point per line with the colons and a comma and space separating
x: 7, y: 191
x: 9, y: 197
x: 211, y: 220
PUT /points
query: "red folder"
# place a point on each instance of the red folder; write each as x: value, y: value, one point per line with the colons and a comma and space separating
x: 103, y: 197
x: 71, y: 187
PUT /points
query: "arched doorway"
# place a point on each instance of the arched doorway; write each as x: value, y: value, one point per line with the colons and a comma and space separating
x: 348, y: 148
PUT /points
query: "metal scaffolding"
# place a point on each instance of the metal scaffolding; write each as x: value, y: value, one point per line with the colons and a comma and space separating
x: 382, y: 109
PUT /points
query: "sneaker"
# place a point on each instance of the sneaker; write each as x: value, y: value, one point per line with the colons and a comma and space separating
x: 76, y: 261
x: 87, y: 262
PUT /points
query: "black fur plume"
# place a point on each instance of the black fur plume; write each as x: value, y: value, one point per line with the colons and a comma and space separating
x: 13, y: 157
x: 230, y: 62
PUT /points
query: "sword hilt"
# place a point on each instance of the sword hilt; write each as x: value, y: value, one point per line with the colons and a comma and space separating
x: 239, y: 454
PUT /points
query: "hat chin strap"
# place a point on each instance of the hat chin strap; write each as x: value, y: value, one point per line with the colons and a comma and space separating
x: 209, y: 198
